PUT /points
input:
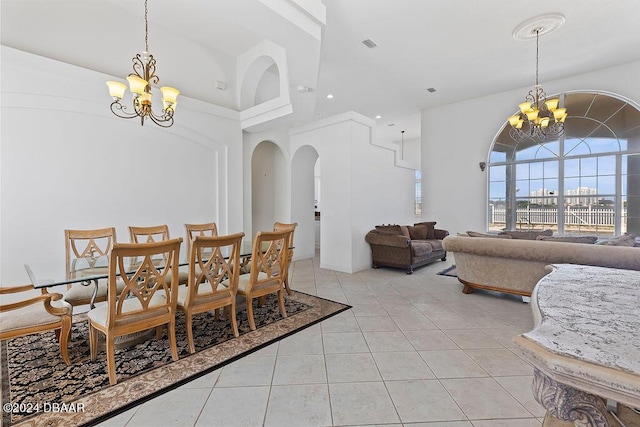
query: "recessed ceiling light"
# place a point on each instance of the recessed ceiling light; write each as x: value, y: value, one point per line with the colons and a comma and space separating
x: 378, y: 117
x: 329, y: 96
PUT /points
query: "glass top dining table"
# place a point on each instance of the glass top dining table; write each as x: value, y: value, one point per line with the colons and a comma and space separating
x: 88, y: 270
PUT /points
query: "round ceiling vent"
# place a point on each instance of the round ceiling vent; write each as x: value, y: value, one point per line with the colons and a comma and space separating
x: 544, y: 24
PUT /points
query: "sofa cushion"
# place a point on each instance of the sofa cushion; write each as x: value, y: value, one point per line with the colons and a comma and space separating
x: 418, y: 233
x: 405, y: 231
x: 430, y: 228
x: 494, y: 236
x: 528, y: 234
x: 624, y: 240
x: 420, y: 248
x: 389, y: 229
x: 569, y: 239
x: 436, y: 245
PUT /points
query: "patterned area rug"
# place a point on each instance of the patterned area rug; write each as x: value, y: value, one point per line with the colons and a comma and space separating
x: 39, y: 389
x: 449, y: 271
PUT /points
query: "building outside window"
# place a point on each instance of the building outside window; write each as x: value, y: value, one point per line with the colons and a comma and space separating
x: 587, y: 181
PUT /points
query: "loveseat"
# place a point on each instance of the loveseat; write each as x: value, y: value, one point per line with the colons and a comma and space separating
x: 514, y: 265
x: 405, y: 246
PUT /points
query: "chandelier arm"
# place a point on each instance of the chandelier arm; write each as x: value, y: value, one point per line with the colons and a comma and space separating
x: 119, y: 110
x: 165, y: 121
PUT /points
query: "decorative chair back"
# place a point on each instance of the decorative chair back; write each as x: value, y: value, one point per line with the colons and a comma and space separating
x: 88, y: 246
x: 210, y: 264
x: 279, y: 226
x: 149, y: 290
x: 268, y: 258
x: 155, y: 233
x: 209, y: 229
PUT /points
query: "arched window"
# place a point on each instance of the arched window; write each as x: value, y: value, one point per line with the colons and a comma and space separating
x: 587, y: 181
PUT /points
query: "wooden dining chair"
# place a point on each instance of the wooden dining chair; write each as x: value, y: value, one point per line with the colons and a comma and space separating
x: 88, y: 248
x: 193, y: 230
x: 34, y: 314
x: 147, y: 301
x: 155, y: 233
x: 279, y: 226
x: 213, y: 282
x: 268, y: 261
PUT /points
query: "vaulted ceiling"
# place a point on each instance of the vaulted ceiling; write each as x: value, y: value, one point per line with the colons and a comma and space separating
x: 462, y: 48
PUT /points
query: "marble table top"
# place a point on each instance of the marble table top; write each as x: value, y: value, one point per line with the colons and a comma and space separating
x: 588, y: 329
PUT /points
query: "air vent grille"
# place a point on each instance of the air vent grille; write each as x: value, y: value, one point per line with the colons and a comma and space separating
x: 369, y: 43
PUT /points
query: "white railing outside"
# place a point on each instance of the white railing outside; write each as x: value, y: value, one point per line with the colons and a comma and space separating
x: 573, y: 215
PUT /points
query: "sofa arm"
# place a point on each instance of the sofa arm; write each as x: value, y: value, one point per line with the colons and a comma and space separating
x: 440, y: 234
x: 397, y: 240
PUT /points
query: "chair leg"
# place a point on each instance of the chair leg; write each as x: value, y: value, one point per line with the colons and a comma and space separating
x: 286, y: 285
x: 234, y: 321
x: 63, y: 338
x: 172, y: 339
x: 216, y: 314
x: 192, y: 347
x: 159, y: 332
x: 281, y: 303
x: 252, y: 323
x: 111, y: 359
x: 93, y: 341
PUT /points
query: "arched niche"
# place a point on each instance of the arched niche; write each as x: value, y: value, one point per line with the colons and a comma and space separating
x: 303, y: 200
x: 263, y: 79
x: 269, y: 202
x: 261, y: 83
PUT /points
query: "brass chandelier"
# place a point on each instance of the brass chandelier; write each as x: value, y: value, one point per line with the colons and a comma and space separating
x: 144, y: 73
x: 539, y: 119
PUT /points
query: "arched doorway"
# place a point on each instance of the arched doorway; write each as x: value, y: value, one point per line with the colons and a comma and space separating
x: 269, y: 201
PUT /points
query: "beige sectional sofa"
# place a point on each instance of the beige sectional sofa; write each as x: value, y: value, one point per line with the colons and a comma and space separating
x: 515, y: 265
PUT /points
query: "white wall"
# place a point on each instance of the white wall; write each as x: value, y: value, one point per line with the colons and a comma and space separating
x: 67, y: 162
x: 454, y: 188
x: 361, y: 187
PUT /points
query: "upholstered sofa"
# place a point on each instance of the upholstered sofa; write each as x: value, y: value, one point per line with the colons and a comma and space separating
x: 406, y: 247
x: 514, y: 265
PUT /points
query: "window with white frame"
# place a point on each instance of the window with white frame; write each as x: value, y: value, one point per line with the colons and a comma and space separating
x: 587, y: 181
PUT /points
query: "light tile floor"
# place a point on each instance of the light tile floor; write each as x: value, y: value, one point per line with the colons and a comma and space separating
x: 413, y: 351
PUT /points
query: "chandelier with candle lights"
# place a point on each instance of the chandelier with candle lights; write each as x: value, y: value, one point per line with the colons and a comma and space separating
x: 539, y: 119
x: 144, y: 74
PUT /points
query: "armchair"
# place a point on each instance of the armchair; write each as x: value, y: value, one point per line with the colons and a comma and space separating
x: 36, y: 314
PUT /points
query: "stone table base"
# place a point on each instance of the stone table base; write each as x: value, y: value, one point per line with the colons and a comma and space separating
x: 569, y: 407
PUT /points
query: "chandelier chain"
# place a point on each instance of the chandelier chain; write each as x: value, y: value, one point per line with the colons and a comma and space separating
x: 537, y: 50
x: 146, y: 28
